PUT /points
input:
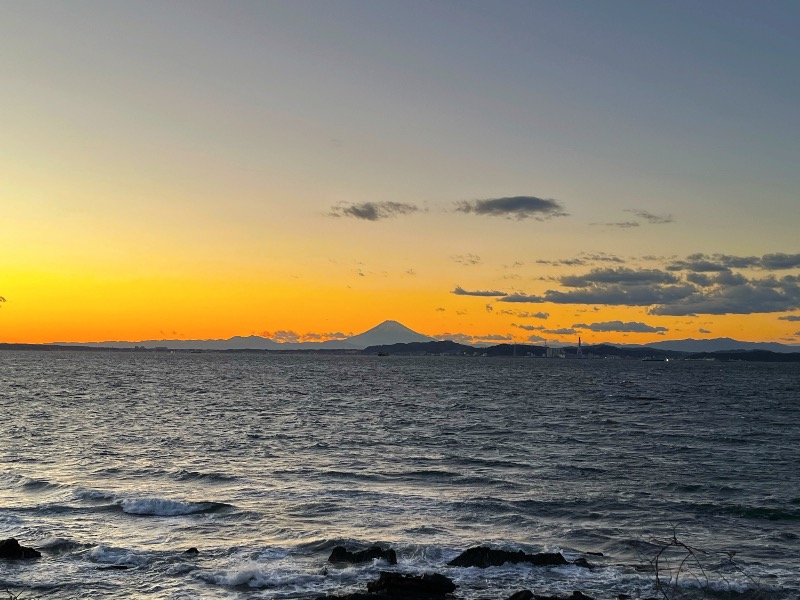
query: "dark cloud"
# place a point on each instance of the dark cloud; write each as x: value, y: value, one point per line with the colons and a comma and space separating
x: 373, y: 211
x: 777, y: 262
x: 790, y: 318
x: 620, y: 327
x: 489, y: 308
x: 562, y: 331
x: 701, y: 330
x: 459, y: 291
x: 536, y: 338
x: 652, y: 218
x: 709, y: 263
x: 467, y: 259
x: 514, y: 207
x: 733, y: 294
x: 567, y: 262
x: 700, y: 279
x: 612, y: 295
x: 528, y: 327
x: 603, y: 257
x: 621, y: 275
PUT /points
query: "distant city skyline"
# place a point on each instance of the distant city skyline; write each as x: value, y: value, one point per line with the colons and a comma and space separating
x: 486, y: 172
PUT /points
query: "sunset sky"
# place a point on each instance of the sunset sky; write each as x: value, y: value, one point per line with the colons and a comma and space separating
x: 625, y: 171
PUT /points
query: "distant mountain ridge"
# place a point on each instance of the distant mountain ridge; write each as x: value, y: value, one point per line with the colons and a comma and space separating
x: 715, y: 345
x: 392, y: 332
x: 388, y: 332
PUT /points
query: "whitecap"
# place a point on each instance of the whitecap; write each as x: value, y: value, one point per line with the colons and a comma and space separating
x: 166, y: 508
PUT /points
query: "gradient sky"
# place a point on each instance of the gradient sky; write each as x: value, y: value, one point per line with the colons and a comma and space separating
x: 626, y: 171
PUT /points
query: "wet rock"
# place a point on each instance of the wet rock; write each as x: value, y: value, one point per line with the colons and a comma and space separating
x: 340, y: 554
x: 10, y: 549
x: 582, y: 562
x: 412, y: 586
x: 192, y: 550
x: 355, y: 596
x: 521, y: 595
x: 113, y: 568
x: 483, y: 556
x: 574, y: 596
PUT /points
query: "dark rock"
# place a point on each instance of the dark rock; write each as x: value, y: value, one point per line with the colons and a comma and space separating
x: 582, y: 562
x: 113, y: 568
x: 192, y: 550
x: 355, y: 596
x: 412, y: 586
x: 340, y: 554
x: 483, y: 556
x: 521, y: 595
x: 594, y: 553
x: 623, y: 597
x: 575, y: 596
x: 10, y: 549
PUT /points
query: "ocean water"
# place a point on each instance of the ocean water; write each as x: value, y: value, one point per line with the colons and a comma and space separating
x: 114, y: 464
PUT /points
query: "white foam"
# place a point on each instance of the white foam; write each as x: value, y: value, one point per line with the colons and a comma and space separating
x: 163, y: 507
x: 116, y: 556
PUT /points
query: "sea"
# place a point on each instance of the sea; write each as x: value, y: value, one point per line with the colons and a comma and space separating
x: 670, y: 479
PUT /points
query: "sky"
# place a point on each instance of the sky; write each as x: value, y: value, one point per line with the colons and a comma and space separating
x: 623, y: 171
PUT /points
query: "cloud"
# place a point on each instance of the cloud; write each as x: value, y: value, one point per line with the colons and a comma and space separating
x: 489, y: 308
x: 459, y: 291
x: 619, y: 224
x: 373, y: 211
x: 620, y: 327
x: 567, y: 262
x: 528, y: 327
x: 621, y: 275
x: 525, y: 315
x: 536, y: 338
x: 776, y: 262
x: 733, y: 294
x: 467, y: 259
x: 701, y: 330
x: 650, y: 217
x: 708, y: 263
x: 514, y: 207
x: 790, y: 318
x: 562, y: 331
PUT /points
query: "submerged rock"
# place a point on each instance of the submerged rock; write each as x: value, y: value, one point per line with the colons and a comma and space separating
x: 521, y: 595
x: 483, y: 556
x: 340, y: 554
x: 10, y: 549
x: 192, y: 550
x: 412, y: 586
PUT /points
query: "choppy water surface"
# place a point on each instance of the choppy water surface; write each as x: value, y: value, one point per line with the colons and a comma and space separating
x: 266, y: 462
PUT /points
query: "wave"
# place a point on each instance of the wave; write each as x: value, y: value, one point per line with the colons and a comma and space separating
x: 254, y: 575
x: 162, y: 507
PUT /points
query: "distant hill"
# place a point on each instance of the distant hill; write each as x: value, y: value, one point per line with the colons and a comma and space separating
x: 720, y: 345
x: 747, y: 355
x: 434, y: 347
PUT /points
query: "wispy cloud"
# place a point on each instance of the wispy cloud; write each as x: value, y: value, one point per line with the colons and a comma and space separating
x: 467, y: 259
x: 373, y: 211
x: 650, y: 217
x: 514, y: 207
x: 790, y: 318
